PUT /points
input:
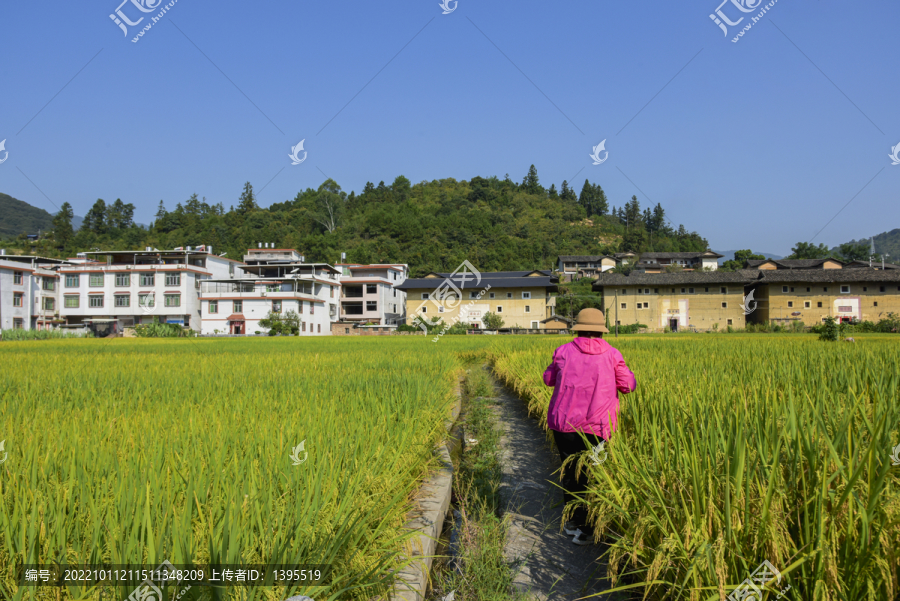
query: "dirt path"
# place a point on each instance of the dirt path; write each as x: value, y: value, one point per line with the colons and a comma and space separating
x: 551, y: 567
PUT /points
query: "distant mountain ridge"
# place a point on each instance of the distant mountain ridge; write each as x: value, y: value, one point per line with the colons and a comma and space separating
x: 17, y: 216
x: 885, y: 243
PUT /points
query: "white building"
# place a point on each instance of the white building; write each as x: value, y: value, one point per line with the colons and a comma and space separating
x: 136, y: 287
x: 369, y: 293
x: 29, y: 292
x: 276, y: 280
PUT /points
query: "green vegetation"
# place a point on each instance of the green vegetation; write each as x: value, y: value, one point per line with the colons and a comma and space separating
x: 768, y: 448
x: 155, y: 329
x: 287, y: 324
x: 575, y: 296
x: 433, y: 226
x: 12, y: 335
x: 153, y: 449
x: 21, y: 218
x: 492, y: 321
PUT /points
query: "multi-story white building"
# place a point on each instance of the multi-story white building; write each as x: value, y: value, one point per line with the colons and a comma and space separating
x: 136, y: 287
x: 29, y: 292
x: 271, y: 280
x: 369, y: 293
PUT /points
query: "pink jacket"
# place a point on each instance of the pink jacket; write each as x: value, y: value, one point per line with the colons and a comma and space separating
x: 585, y: 375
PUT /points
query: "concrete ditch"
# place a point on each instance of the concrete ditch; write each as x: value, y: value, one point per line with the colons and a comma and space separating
x: 432, y: 503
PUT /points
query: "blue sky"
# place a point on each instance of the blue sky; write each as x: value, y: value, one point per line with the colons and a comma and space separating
x: 753, y: 144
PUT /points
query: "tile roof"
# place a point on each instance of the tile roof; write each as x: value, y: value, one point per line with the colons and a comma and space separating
x: 749, y: 276
x: 679, y: 255
x: 487, y: 279
x: 792, y: 263
x: 576, y: 258
x: 662, y: 279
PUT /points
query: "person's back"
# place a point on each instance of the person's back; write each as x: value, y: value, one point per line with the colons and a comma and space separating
x: 586, y: 375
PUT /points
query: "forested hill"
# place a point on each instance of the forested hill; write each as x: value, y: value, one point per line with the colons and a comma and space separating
x: 433, y: 226
x: 19, y: 217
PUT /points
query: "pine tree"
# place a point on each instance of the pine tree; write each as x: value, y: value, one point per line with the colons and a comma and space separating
x: 161, y: 211
x: 531, y: 184
x: 567, y: 193
x: 552, y: 193
x: 62, y: 225
x: 601, y: 204
x: 586, y: 198
x: 248, y: 200
x: 95, y: 220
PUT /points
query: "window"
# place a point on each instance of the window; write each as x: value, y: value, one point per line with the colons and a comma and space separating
x: 346, y: 330
x: 239, y: 306
x: 373, y: 306
x: 303, y: 327
x: 640, y: 306
x: 807, y: 304
x: 528, y: 308
x: 95, y: 301
x: 49, y: 304
x: 276, y: 306
x: 626, y: 292
x: 148, y: 279
x: 71, y: 301
x: 673, y: 291
x: 819, y: 304
x: 499, y: 309
x: 331, y: 292
x: 123, y: 280
x: 706, y: 289
x: 492, y: 295
x: 790, y: 304
x: 624, y: 305
x: 72, y: 281
x: 371, y: 288
x: 723, y: 290
x: 424, y: 296
x: 683, y: 290
x: 509, y: 295
x: 526, y: 295
x: 441, y: 309
x: 825, y: 289
x: 876, y: 303
x: 730, y: 322
x: 147, y: 300
x: 123, y: 300
x: 640, y: 291
x: 784, y: 288
x: 18, y: 324
x: 17, y: 278
x: 312, y: 307
x: 473, y: 295
x: 17, y: 299
x: 424, y: 309
x: 95, y: 280
x: 845, y: 289
x: 173, y: 300
x: 320, y: 328
x: 881, y: 289
x: 213, y: 307
x: 808, y: 289
x: 646, y: 291
x: 395, y: 293
x: 792, y: 288
x: 173, y: 279
x: 49, y: 284
x: 656, y: 291
x: 865, y: 288
x: 690, y: 290
x: 724, y: 305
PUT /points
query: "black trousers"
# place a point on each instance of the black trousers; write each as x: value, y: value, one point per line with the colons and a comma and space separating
x: 570, y: 443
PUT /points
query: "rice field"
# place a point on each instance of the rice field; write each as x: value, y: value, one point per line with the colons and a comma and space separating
x: 135, y: 451
x: 740, y: 449
x: 734, y: 450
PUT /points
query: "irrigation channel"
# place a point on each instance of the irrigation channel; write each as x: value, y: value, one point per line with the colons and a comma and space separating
x: 502, y: 537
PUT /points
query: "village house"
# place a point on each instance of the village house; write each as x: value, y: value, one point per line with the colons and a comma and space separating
x: 271, y: 280
x: 520, y: 298
x: 684, y: 300
x: 705, y: 301
x: 136, y: 287
x: 657, y: 262
x: 370, y: 293
x: 29, y: 292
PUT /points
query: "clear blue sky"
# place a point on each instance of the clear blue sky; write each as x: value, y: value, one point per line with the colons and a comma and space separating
x: 750, y: 144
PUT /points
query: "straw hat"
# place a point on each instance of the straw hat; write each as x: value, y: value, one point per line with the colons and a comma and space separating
x: 590, y: 320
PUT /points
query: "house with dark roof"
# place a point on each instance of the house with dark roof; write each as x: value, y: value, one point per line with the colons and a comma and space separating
x: 775, y: 264
x: 657, y: 262
x: 521, y: 298
x: 585, y: 265
x: 714, y: 300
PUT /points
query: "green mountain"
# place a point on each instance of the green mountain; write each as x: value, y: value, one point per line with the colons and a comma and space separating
x: 495, y: 224
x: 19, y: 216
x: 886, y: 243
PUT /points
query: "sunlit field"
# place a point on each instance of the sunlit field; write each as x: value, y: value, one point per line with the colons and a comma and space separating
x: 734, y: 450
x: 740, y: 449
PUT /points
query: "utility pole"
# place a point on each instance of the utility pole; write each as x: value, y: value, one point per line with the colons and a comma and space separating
x: 617, y: 312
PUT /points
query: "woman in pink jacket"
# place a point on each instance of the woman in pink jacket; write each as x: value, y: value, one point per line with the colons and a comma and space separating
x: 586, y: 375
